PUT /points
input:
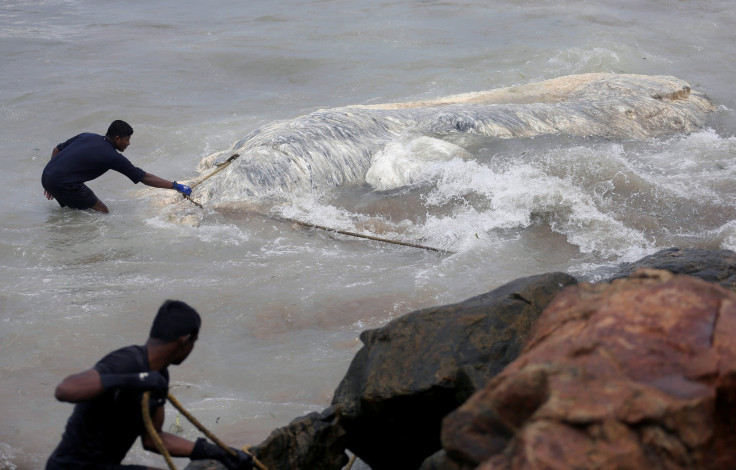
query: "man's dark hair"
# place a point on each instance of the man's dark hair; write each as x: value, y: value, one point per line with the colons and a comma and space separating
x: 119, y: 129
x: 173, y: 320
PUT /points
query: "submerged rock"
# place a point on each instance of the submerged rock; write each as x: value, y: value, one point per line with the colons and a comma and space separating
x: 638, y: 373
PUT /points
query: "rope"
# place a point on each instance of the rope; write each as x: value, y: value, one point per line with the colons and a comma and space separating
x: 199, y: 425
x: 160, y: 443
x: 165, y: 453
x: 193, y: 201
x: 223, y: 165
x: 258, y: 463
x: 351, y: 462
x: 360, y: 235
x: 211, y: 436
x: 152, y: 431
x: 345, y: 232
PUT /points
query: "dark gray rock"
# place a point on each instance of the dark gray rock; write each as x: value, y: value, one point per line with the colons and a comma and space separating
x: 440, y: 461
x: 315, y: 441
x: 418, y: 368
x: 717, y: 266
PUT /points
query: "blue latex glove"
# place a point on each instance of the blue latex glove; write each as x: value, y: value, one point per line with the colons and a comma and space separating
x: 185, y: 190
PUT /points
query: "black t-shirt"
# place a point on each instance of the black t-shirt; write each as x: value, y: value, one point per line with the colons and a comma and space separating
x: 85, y: 157
x: 102, y: 430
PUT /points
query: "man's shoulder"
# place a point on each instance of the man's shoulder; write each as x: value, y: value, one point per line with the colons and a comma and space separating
x: 86, y: 136
x: 85, y: 139
x: 128, y: 359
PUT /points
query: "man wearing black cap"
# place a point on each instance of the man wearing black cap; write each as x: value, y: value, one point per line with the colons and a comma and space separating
x: 107, y: 416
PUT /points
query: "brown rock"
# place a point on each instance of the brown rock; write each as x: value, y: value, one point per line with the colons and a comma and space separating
x: 639, y: 373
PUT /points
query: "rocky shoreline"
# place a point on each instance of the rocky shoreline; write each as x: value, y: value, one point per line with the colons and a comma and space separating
x: 636, y: 371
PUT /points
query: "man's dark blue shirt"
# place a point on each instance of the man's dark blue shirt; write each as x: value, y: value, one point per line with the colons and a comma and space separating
x: 85, y: 157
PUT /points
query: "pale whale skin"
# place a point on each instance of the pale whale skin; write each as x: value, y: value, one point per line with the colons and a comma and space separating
x: 333, y: 147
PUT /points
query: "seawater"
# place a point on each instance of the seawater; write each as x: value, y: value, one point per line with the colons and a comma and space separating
x: 283, y: 305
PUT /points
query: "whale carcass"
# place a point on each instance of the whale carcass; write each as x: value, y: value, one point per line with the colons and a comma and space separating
x: 333, y: 147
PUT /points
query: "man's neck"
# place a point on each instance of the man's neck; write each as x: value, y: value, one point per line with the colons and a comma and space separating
x: 158, y: 354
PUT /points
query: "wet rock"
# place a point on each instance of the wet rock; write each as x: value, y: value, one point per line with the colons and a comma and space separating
x: 315, y: 441
x: 205, y: 465
x: 638, y: 373
x: 416, y: 369
x: 439, y: 461
x: 710, y: 265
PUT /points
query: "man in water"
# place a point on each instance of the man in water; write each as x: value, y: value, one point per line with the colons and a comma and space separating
x: 85, y: 157
x: 107, y: 416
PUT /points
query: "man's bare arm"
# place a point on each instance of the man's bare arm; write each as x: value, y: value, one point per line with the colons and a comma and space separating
x: 79, y: 387
x: 156, y: 182
x: 177, y: 446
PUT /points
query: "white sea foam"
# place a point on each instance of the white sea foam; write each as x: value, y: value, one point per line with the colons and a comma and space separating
x: 515, y: 197
x: 7, y: 456
x: 399, y: 163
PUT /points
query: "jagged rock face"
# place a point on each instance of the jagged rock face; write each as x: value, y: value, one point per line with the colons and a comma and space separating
x: 413, y: 371
x: 638, y: 373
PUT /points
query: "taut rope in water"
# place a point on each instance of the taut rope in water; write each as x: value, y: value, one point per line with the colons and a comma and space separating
x: 223, y: 165
x: 160, y: 443
x: 359, y: 235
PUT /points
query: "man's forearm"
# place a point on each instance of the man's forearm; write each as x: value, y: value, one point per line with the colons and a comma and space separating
x: 177, y: 446
x: 156, y: 182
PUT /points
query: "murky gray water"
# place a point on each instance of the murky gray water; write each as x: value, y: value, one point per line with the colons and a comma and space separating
x: 283, y: 305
